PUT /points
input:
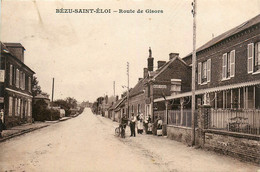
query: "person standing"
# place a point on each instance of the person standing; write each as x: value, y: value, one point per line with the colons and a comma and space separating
x: 132, y: 125
x: 1, y: 123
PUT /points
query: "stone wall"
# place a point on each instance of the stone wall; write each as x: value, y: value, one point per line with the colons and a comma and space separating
x: 243, y: 148
x: 181, y: 134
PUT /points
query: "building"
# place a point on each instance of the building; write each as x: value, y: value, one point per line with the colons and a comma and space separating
x: 15, y: 85
x: 228, y: 85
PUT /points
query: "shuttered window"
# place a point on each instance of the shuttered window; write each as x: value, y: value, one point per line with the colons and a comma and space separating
x: 199, y: 73
x: 17, y: 78
x: 208, y: 70
x: 257, y: 56
x: 224, y: 66
x: 10, y: 106
x: 11, y: 75
x: 232, y: 63
x: 250, y: 54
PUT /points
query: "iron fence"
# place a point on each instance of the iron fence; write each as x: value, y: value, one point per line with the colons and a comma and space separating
x: 238, y: 120
x: 181, y: 118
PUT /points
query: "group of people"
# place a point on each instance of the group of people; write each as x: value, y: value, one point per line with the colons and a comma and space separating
x: 143, y: 124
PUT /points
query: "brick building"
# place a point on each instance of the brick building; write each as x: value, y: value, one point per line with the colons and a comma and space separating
x: 15, y: 85
x: 227, y: 94
x: 169, y: 78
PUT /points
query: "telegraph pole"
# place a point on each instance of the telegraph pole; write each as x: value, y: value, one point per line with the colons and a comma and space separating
x: 52, y: 95
x: 114, y: 87
x: 194, y: 12
x: 128, y: 90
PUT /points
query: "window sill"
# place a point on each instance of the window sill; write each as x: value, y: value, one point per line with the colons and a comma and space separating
x: 256, y: 72
x: 204, y: 83
x: 225, y: 79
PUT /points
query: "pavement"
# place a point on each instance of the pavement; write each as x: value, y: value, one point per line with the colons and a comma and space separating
x: 88, y: 143
x: 26, y: 128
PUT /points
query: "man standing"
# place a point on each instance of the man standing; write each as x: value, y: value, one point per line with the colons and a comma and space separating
x: 132, y: 125
x: 1, y: 123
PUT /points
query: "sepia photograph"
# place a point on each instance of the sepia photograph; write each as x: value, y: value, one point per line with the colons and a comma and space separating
x: 130, y: 85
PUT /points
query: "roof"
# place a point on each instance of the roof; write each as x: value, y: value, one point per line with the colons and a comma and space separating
x: 118, y: 103
x: 138, y: 88
x: 40, y: 96
x: 209, y: 90
x: 165, y: 66
x: 14, y: 45
x: 229, y: 33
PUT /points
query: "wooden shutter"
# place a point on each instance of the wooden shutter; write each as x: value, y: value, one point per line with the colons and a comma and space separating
x: 11, y: 75
x: 224, y: 66
x: 250, y: 57
x: 208, y: 70
x: 232, y: 63
x: 199, y: 73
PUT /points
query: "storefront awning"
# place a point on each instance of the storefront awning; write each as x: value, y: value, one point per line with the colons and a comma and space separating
x: 210, y: 90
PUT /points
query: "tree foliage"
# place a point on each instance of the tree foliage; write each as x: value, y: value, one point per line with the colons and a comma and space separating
x: 36, y: 88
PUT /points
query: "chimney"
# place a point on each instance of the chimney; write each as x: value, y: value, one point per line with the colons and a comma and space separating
x: 160, y: 63
x: 150, y: 60
x: 145, y: 72
x: 116, y: 98
x: 16, y: 49
x: 173, y: 55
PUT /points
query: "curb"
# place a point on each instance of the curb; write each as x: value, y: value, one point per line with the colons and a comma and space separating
x: 21, y: 133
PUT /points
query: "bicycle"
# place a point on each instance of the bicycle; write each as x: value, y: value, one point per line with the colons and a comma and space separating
x: 120, y: 131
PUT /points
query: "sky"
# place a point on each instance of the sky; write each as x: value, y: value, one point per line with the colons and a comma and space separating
x: 87, y: 52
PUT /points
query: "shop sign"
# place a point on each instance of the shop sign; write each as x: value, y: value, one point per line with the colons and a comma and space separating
x: 159, y: 86
x: 2, y: 75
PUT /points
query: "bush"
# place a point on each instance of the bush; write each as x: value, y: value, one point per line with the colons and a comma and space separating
x: 42, y: 113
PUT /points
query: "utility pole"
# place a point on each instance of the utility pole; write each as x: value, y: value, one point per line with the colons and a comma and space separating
x: 194, y: 12
x: 114, y: 87
x: 52, y: 90
x: 128, y: 90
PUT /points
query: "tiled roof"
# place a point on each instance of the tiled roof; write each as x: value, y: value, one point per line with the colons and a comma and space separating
x: 138, y: 88
x: 229, y: 33
x: 10, y: 44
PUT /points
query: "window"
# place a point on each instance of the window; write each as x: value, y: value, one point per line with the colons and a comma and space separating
x: 10, y: 106
x: 17, y: 78
x: 29, y: 84
x: 11, y: 75
x: 29, y: 107
x: 138, y: 108
x: 228, y: 65
x: 21, y: 80
x: 204, y: 72
x: 19, y: 107
x: 15, y: 107
x: 253, y: 61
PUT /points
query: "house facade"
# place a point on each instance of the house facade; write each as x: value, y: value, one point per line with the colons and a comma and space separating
x: 16, y: 85
x: 170, y: 78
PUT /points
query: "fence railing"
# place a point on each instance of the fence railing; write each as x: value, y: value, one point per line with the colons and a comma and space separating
x: 181, y: 118
x: 239, y: 120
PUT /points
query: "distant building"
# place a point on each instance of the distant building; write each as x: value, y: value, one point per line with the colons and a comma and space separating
x: 15, y: 85
x: 43, y: 97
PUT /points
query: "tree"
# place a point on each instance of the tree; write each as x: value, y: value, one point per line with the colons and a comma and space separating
x: 36, y: 89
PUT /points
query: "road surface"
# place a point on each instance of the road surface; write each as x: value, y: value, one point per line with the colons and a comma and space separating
x: 87, y: 143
